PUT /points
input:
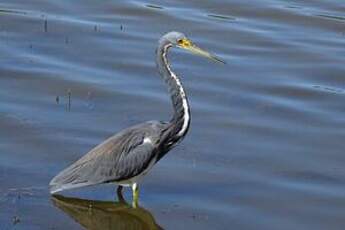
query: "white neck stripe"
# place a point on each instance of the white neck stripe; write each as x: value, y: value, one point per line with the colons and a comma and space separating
x: 186, y: 115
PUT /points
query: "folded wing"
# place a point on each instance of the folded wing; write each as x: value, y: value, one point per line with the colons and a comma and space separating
x: 118, y: 158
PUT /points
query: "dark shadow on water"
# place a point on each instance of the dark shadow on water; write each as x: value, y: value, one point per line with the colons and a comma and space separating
x: 106, y: 215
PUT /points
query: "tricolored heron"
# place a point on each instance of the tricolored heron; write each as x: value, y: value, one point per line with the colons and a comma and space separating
x: 128, y: 155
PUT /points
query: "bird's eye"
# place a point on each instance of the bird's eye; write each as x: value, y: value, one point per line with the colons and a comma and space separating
x: 180, y: 41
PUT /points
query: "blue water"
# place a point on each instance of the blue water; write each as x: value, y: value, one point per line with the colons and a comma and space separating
x: 266, y: 144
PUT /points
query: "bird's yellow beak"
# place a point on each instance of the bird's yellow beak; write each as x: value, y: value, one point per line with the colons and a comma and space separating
x: 188, y: 45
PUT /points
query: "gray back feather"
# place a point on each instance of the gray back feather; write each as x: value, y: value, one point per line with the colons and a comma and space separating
x: 118, y: 158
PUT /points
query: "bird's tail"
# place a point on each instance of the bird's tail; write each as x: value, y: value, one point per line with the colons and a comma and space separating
x: 56, y: 187
x: 68, y: 179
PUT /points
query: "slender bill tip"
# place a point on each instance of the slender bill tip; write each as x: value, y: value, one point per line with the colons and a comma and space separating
x: 217, y: 59
x: 189, y: 46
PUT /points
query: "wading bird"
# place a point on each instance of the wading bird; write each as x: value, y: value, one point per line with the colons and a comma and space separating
x: 128, y: 155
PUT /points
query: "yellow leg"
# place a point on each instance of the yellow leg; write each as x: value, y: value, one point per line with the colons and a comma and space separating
x: 135, y: 189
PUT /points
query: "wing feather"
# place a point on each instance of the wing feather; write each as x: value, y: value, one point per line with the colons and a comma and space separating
x: 118, y: 158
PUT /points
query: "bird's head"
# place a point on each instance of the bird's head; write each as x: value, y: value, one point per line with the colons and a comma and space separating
x: 179, y: 40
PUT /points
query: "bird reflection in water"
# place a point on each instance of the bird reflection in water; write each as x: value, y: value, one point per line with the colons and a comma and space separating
x: 106, y: 215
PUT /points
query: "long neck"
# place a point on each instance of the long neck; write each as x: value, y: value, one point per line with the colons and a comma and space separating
x: 181, y: 117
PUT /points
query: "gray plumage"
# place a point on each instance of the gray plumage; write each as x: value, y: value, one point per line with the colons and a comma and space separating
x: 128, y: 155
x: 117, y: 159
